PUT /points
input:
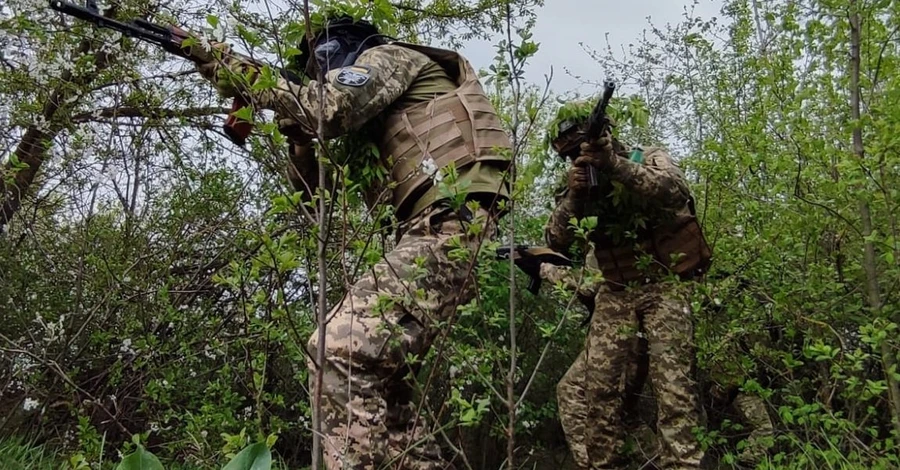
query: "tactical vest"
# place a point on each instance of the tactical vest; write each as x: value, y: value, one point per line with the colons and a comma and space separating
x: 680, y: 237
x: 458, y: 127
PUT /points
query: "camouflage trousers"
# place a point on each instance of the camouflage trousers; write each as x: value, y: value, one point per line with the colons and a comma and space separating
x: 752, y: 411
x: 592, y: 391
x: 368, y: 413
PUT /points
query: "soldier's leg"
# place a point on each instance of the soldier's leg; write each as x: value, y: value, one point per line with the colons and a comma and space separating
x: 752, y: 410
x: 591, y: 393
x: 667, y: 321
x: 388, y: 314
x: 573, y: 411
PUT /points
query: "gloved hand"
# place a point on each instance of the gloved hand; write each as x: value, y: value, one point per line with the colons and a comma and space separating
x: 219, y: 66
x: 599, y: 153
x: 579, y: 181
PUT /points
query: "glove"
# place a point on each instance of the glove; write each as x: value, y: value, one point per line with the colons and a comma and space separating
x: 599, y: 153
x: 220, y: 68
x: 579, y: 181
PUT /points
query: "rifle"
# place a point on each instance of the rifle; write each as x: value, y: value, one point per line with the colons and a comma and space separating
x: 529, y: 259
x: 572, y: 134
x: 170, y: 38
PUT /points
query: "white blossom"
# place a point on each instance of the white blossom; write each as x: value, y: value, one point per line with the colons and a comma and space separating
x: 429, y: 167
x: 219, y: 32
x: 126, y: 348
x: 204, y: 41
x: 30, y: 404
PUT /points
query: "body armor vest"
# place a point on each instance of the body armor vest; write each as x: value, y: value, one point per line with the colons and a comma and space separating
x: 680, y: 237
x: 459, y: 127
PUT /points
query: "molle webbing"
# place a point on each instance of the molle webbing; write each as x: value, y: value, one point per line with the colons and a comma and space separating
x: 619, y: 264
x: 459, y: 127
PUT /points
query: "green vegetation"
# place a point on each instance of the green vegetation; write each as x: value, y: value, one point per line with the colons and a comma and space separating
x: 158, y: 284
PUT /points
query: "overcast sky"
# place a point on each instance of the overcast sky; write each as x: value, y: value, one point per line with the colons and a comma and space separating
x: 563, y: 24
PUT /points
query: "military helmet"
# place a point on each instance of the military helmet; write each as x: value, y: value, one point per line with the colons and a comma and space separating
x: 569, y: 131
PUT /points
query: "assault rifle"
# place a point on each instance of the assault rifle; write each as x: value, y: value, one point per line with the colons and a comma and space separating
x: 170, y: 38
x: 573, y: 133
x: 529, y: 259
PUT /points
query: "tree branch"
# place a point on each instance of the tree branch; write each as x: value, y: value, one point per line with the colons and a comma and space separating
x: 159, y: 113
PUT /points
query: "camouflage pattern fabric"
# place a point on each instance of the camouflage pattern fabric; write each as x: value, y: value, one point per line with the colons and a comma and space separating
x: 368, y: 413
x: 590, y: 394
x: 753, y: 412
x: 658, y: 182
x: 380, y: 76
x: 585, y: 283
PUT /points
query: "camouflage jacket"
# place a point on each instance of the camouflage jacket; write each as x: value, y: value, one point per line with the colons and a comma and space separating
x: 383, y: 82
x: 639, y: 207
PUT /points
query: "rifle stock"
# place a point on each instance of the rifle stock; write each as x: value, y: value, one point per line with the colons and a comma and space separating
x: 529, y: 259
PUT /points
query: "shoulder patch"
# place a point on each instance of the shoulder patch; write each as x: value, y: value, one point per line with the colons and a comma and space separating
x: 354, y: 75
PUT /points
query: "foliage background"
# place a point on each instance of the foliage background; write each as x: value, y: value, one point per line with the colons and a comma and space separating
x: 157, y: 281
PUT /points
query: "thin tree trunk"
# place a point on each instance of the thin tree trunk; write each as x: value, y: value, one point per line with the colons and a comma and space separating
x: 33, y: 147
x: 869, y: 261
x: 321, y: 312
x: 513, y: 351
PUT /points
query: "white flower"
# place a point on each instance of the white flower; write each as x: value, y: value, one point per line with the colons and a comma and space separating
x: 219, y: 32
x: 204, y: 41
x: 203, y: 434
x: 30, y: 404
x: 428, y: 166
x: 125, y: 347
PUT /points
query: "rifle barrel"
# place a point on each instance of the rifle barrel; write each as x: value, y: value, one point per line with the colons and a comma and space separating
x: 155, y: 35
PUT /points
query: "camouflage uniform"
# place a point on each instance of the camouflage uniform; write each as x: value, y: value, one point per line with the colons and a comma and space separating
x: 391, y: 312
x: 650, y: 306
x: 752, y: 411
x: 394, y: 311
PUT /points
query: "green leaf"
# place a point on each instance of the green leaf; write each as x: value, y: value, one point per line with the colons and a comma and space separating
x: 245, y: 114
x: 140, y: 459
x: 212, y: 20
x: 253, y: 457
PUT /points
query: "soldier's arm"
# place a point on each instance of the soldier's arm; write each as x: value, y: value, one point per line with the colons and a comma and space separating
x: 303, y: 169
x: 558, y: 235
x: 382, y: 75
x: 658, y: 180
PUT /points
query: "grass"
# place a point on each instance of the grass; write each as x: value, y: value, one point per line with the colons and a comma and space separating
x: 17, y: 454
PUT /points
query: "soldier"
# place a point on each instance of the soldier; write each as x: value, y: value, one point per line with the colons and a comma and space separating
x: 647, y: 242
x: 425, y: 109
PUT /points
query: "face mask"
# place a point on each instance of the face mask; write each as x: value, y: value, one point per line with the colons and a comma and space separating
x: 329, y: 55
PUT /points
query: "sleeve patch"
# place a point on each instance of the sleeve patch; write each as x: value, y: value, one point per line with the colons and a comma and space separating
x: 354, y: 75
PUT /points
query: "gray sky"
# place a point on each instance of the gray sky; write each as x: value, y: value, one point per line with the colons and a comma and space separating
x: 563, y: 24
